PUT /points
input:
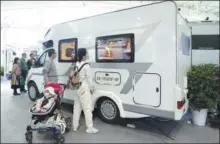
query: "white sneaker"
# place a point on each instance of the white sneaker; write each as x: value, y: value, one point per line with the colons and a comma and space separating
x: 75, y: 128
x: 92, y: 130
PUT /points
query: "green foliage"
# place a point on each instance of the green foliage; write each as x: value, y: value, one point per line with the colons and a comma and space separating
x: 2, y: 71
x: 217, y: 71
x: 203, y: 86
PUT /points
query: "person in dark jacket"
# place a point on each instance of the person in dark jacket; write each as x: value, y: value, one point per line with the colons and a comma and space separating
x: 24, y: 72
x: 31, y: 61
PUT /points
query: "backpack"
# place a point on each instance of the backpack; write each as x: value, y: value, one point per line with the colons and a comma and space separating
x: 73, y: 81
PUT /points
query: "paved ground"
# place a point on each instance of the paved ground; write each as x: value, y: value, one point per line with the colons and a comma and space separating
x: 15, y: 117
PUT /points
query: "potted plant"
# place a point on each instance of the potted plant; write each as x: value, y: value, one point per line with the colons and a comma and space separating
x: 214, y: 114
x: 203, y: 91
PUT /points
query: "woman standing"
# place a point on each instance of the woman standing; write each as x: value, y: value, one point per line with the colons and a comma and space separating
x: 16, y: 72
x: 84, y: 98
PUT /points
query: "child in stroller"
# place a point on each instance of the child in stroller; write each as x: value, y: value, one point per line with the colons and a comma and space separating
x: 44, y: 113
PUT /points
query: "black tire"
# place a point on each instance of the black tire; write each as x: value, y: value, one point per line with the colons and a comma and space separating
x: 60, y: 139
x: 30, y: 86
x: 112, y: 118
x: 68, y: 124
x: 29, y: 137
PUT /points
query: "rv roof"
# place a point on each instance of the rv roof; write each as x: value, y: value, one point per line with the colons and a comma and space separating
x: 109, y: 13
x: 115, y: 11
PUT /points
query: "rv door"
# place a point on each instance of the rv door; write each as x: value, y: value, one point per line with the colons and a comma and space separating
x: 37, y: 70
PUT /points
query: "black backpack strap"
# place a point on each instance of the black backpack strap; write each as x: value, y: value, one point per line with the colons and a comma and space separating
x: 80, y: 68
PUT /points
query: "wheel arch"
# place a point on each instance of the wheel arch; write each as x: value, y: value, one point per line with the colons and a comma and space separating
x: 114, y: 98
x: 30, y: 81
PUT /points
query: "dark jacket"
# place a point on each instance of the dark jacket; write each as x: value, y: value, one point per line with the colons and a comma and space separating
x: 23, y: 67
x: 29, y: 63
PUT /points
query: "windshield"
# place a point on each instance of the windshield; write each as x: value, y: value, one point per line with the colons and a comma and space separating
x: 40, y: 52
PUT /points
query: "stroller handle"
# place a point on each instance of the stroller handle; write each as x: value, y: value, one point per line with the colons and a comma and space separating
x: 64, y: 86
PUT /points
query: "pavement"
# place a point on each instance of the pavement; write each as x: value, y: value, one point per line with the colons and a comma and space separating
x: 15, y: 117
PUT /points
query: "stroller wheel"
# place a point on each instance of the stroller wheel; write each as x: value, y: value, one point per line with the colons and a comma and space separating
x: 60, y: 139
x: 68, y: 124
x: 28, y: 128
x: 29, y: 137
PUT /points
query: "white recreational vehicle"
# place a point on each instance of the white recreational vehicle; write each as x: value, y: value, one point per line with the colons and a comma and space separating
x: 139, y: 59
x: 205, y: 42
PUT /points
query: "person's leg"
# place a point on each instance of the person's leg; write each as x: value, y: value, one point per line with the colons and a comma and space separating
x: 15, y: 85
x: 77, y: 110
x: 86, y: 102
x: 21, y: 88
x: 25, y: 76
x: 22, y: 84
x: 15, y: 91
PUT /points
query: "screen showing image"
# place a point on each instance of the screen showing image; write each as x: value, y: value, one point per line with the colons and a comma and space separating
x: 67, y: 49
x: 114, y: 48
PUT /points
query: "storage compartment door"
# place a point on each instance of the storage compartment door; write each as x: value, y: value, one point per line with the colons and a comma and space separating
x: 147, y: 89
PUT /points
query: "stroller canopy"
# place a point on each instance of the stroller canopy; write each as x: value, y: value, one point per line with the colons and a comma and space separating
x: 57, y: 88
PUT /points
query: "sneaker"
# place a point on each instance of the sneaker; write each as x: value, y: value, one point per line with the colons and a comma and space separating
x: 24, y: 91
x: 75, y: 128
x: 92, y: 130
x: 16, y: 94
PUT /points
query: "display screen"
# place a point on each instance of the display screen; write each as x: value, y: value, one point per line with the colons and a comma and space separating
x: 67, y: 50
x: 115, y: 48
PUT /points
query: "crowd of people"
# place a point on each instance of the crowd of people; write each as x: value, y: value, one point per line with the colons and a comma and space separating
x: 19, y: 73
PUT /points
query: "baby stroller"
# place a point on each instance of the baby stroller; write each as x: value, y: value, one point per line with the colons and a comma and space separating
x: 46, y: 117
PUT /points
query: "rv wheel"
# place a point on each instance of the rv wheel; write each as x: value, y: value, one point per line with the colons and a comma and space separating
x: 108, y: 111
x: 32, y: 91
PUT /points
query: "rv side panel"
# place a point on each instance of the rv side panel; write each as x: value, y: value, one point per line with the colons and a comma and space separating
x: 183, y: 65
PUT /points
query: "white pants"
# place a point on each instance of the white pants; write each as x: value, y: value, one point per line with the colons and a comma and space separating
x: 83, y: 102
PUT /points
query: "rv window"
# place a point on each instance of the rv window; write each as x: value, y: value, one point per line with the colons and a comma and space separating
x: 42, y: 59
x: 47, y: 57
x: 185, y: 44
x: 67, y: 50
x: 117, y: 48
x: 48, y: 44
x: 40, y: 62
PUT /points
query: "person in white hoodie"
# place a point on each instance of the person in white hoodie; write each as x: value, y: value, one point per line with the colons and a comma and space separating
x: 84, y: 94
